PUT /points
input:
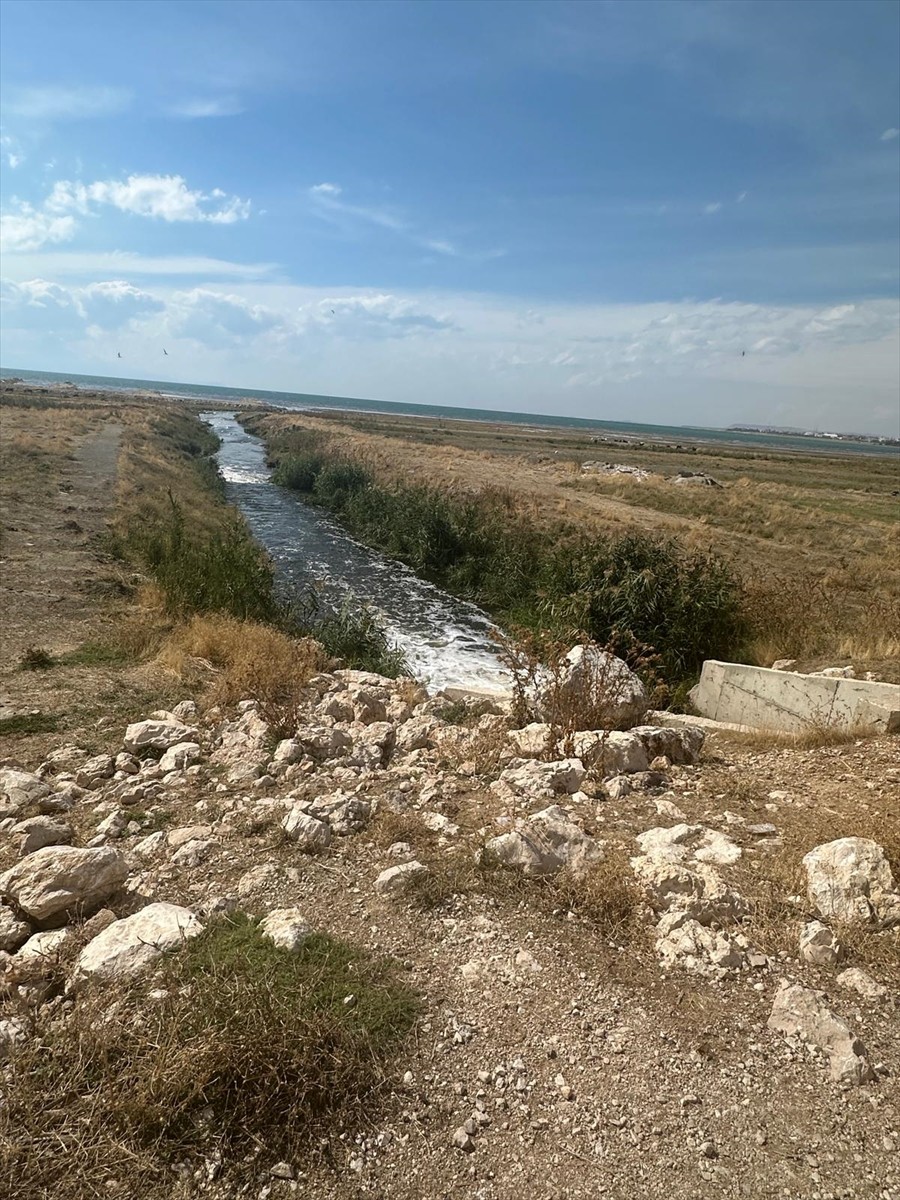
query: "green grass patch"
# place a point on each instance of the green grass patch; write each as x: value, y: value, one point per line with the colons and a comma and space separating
x: 251, y: 1049
x: 36, y: 658
x: 96, y: 654
x: 26, y: 725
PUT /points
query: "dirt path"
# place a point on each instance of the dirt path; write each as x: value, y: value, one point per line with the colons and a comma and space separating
x: 58, y: 496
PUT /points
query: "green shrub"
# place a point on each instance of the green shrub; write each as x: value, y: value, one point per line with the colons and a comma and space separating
x: 620, y: 589
x: 224, y: 573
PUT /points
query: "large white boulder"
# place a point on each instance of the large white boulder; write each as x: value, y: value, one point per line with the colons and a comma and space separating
x: 18, y: 789
x: 593, y: 680
x: 696, y: 948
x: 800, y: 1013
x: 543, y: 845
x: 850, y: 880
x: 157, y: 735
x: 686, y: 843
x: 611, y: 752
x: 58, y: 879
x: 128, y: 946
x: 543, y: 779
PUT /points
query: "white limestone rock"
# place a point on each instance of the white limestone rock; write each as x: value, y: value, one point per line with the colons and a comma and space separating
x: 819, y: 946
x: 13, y: 930
x: 850, y: 880
x: 594, y: 678
x: 681, y: 746
x: 801, y: 1013
x: 689, y: 843
x: 180, y: 756
x: 394, y: 879
x: 543, y: 845
x: 533, y: 741
x: 19, y: 789
x: 308, y: 832
x: 286, y: 927
x: 862, y: 983
x: 36, y: 832
x: 157, y: 735
x: 60, y: 879
x: 129, y: 946
x: 685, y: 943
x: 543, y: 779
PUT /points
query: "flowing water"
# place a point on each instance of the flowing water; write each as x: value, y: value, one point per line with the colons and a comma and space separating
x: 447, y: 642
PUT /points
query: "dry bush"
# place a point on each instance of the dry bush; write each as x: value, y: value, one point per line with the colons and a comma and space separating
x: 539, y: 668
x: 606, y: 895
x: 249, y: 1050
x: 244, y: 659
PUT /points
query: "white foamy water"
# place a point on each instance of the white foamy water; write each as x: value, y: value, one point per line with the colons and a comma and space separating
x: 447, y: 642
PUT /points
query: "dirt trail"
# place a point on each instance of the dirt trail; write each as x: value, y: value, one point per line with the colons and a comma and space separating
x: 52, y: 572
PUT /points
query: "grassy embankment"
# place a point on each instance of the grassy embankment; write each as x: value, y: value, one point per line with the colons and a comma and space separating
x: 171, y: 593
x: 806, y: 543
x: 635, y: 590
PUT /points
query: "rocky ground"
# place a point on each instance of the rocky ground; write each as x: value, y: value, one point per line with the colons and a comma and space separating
x: 637, y: 980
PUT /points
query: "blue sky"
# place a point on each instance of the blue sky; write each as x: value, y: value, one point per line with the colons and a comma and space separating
x: 590, y: 208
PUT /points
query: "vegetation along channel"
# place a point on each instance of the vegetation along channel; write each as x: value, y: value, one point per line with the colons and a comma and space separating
x: 446, y: 642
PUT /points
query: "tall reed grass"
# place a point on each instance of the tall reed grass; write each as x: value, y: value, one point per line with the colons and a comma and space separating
x: 636, y: 588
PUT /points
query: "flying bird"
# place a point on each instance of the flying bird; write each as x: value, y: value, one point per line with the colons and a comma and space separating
x: 165, y: 352
x: 118, y: 355
x: 743, y: 354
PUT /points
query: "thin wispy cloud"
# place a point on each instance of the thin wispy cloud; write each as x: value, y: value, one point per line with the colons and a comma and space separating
x: 200, y: 108
x: 26, y: 265
x: 712, y: 208
x: 890, y: 135
x: 328, y: 203
x: 58, y: 103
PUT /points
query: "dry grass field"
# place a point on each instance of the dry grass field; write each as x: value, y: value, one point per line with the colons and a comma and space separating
x: 815, y: 537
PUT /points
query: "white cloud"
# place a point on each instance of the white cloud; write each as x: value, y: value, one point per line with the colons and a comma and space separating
x: 741, y: 197
x: 163, y: 197
x: 14, y: 160
x: 67, y: 103
x: 214, y: 318
x: 379, y: 315
x: 835, y: 365
x: 890, y: 135
x: 75, y: 263
x: 712, y: 208
x: 166, y: 197
x: 211, y: 106
x: 29, y: 229
x: 54, y: 308
x: 325, y: 189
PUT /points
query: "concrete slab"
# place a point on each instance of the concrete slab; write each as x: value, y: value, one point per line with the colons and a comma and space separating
x: 786, y: 702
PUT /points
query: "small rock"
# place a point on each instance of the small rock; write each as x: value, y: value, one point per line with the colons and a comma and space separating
x: 818, y: 945
x: 862, y: 983
x: 286, y: 927
x: 394, y: 879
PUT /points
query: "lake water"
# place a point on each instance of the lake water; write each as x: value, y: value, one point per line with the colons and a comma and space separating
x: 447, y: 642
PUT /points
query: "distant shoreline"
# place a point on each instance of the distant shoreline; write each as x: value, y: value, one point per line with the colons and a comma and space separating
x: 606, y: 432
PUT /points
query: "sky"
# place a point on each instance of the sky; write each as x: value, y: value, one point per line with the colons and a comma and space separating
x: 679, y: 212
